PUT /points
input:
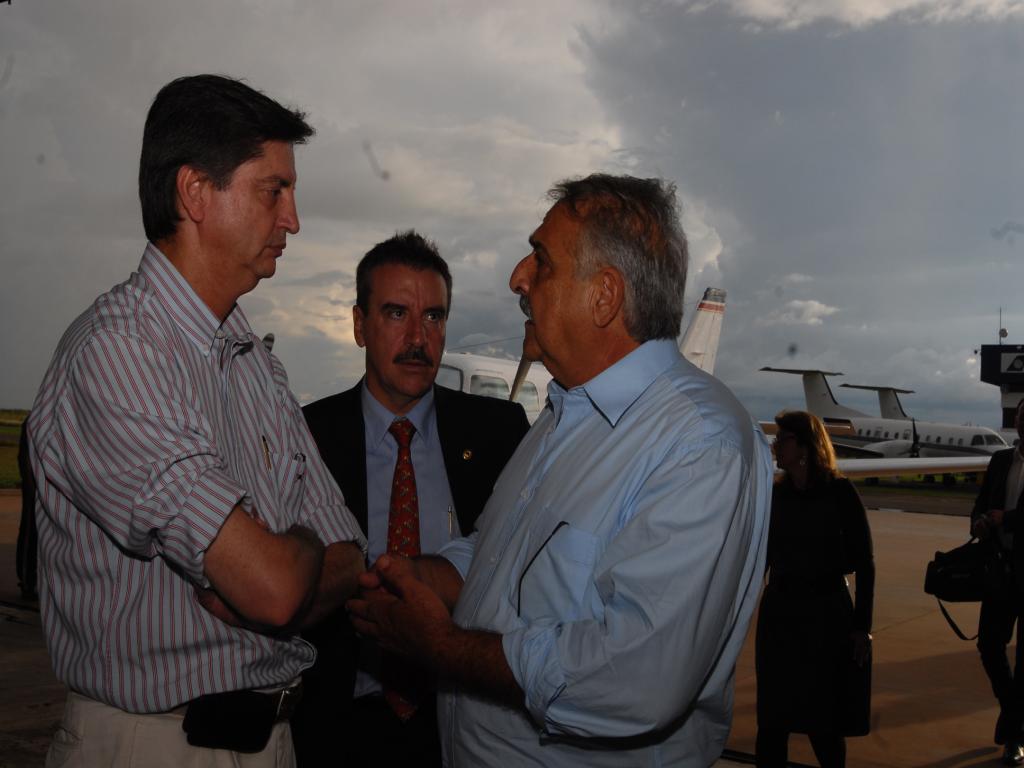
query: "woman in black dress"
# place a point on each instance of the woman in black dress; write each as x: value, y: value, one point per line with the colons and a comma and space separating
x: 808, y: 629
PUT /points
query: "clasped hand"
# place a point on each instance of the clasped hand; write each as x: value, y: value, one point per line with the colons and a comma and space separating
x: 398, y: 610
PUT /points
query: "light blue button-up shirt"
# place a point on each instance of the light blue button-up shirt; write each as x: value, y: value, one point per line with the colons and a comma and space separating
x: 620, y: 558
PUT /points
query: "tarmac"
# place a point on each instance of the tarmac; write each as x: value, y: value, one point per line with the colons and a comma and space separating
x: 932, y: 706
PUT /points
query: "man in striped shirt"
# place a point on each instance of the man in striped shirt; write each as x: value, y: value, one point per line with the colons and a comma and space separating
x: 188, y: 528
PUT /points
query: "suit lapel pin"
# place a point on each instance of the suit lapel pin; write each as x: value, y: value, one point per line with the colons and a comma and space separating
x: 467, y: 455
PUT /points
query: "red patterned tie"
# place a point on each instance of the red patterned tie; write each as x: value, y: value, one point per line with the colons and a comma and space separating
x: 403, y: 539
x: 404, y: 513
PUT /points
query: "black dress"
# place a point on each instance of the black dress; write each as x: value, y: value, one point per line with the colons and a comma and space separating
x: 806, y: 614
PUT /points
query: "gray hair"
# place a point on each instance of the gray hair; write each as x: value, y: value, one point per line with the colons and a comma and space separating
x: 632, y: 225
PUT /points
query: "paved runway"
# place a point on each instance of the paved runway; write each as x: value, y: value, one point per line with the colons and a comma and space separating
x: 932, y: 706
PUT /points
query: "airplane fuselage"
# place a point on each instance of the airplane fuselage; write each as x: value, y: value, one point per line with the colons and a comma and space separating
x: 894, y: 438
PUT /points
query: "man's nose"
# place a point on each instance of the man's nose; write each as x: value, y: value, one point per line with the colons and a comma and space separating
x: 289, y: 219
x: 414, y: 334
x: 519, y: 281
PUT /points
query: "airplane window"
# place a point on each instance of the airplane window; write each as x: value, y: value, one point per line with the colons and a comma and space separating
x: 528, y: 397
x: 960, y: 441
x: 928, y: 438
x: 886, y: 434
x: 978, y: 440
x: 938, y: 439
x: 906, y: 434
x: 449, y: 377
x: 993, y: 440
x: 488, y: 386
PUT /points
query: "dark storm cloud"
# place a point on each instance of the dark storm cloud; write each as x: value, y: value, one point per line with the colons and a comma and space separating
x: 868, y: 159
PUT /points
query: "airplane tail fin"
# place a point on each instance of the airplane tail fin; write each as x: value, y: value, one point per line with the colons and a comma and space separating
x: 817, y: 393
x: 889, y: 405
x: 699, y: 344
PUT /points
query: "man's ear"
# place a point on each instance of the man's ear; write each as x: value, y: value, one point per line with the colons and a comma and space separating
x: 193, y: 187
x: 357, y: 325
x: 609, y: 295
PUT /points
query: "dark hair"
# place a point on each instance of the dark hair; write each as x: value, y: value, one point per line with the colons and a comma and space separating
x: 408, y: 249
x: 810, y: 432
x: 632, y: 225
x: 213, y: 124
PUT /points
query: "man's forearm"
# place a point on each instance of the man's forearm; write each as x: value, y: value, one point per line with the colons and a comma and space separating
x: 408, y: 611
x: 343, y: 562
x: 475, y: 660
x: 266, y: 578
x: 441, y: 576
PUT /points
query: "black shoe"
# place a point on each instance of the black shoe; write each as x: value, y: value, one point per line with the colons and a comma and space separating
x: 1013, y: 754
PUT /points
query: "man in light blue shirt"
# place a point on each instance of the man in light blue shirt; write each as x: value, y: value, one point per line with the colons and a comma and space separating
x: 597, y: 611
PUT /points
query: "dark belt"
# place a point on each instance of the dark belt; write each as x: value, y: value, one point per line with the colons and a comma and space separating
x: 240, y: 721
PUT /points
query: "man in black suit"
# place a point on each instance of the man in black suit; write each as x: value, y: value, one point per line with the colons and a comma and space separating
x: 997, y: 513
x: 458, y: 446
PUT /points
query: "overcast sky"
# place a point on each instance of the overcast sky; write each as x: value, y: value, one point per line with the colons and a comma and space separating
x: 849, y: 171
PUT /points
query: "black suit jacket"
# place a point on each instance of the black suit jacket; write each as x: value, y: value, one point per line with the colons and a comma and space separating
x: 993, y: 496
x: 478, y: 436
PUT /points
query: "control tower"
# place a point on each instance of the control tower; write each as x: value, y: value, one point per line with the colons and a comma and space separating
x: 1003, y: 365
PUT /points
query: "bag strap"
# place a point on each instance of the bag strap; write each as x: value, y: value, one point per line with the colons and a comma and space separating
x: 952, y: 623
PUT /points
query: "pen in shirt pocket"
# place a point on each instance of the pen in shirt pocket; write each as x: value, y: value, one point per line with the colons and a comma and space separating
x: 266, y: 451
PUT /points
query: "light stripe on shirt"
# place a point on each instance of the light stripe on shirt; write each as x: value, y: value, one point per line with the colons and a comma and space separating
x: 153, y: 422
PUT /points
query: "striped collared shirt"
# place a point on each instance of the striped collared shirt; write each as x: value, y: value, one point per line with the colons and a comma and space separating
x: 153, y: 422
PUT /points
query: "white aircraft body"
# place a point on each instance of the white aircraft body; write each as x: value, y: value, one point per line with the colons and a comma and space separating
x: 892, y: 434
x: 494, y: 377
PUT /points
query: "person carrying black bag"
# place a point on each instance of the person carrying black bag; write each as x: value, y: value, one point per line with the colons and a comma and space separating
x: 813, y: 652
x: 997, y: 511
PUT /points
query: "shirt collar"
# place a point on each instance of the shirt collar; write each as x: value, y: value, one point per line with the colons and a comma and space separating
x: 617, y: 387
x: 185, y: 307
x: 378, y: 418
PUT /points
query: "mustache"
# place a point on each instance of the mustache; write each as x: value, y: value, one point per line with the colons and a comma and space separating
x: 414, y: 355
x: 524, y: 306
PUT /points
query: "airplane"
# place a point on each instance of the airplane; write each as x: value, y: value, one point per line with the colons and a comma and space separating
x: 494, y: 377
x: 892, y: 434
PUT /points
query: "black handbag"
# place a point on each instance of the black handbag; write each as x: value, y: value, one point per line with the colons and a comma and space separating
x: 966, y: 574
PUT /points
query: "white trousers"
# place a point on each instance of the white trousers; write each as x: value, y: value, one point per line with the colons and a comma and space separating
x: 95, y: 734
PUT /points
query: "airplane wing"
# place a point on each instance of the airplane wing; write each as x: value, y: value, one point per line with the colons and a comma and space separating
x: 858, y: 468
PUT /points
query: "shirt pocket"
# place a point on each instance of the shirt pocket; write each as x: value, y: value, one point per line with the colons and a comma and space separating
x: 555, y: 580
x: 290, y: 477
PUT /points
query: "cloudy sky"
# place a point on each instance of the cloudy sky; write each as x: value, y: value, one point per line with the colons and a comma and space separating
x: 850, y: 171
